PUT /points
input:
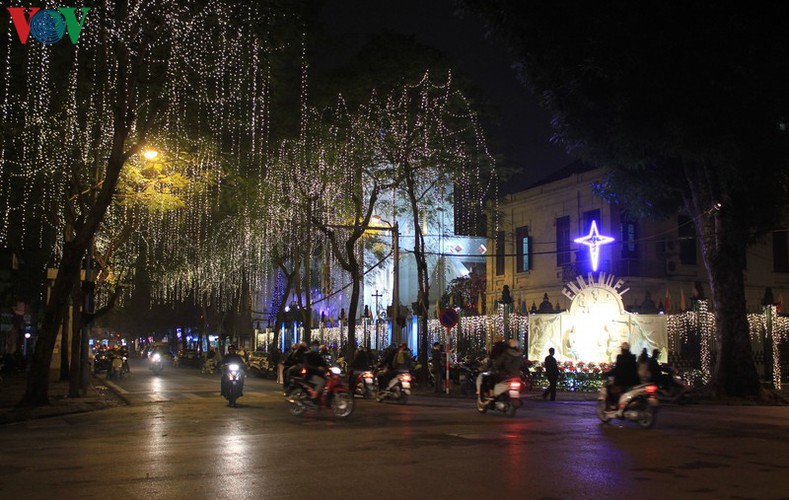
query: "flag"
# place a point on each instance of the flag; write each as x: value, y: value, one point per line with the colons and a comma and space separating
x: 682, y: 299
x: 667, y: 301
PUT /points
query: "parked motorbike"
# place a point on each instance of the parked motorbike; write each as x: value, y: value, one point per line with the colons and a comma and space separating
x: 506, y: 395
x: 156, y: 363
x: 671, y: 387
x: 469, y: 370
x: 637, y: 404
x: 232, y: 383
x: 398, y: 388
x: 364, y: 384
x: 334, y: 395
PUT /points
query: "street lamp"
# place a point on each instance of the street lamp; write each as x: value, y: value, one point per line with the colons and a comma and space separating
x: 395, y: 273
x: 150, y: 154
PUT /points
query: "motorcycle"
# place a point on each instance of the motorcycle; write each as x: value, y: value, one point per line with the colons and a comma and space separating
x: 398, y: 388
x: 115, y: 371
x: 671, y: 387
x: 506, y: 395
x: 637, y: 404
x: 334, y: 395
x: 232, y: 383
x: 364, y: 384
x: 156, y: 363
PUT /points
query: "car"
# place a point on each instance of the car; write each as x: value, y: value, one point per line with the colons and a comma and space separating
x: 187, y: 354
x: 258, y: 364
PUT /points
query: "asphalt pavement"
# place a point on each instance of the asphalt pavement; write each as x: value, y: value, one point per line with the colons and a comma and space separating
x: 102, y: 394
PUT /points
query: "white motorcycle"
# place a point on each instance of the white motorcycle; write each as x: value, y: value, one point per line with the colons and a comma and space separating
x: 637, y: 404
x: 506, y: 395
x: 398, y: 388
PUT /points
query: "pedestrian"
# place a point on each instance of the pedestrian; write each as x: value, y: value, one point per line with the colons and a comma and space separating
x: 437, y: 360
x: 643, y: 366
x: 552, y: 374
x: 654, y: 367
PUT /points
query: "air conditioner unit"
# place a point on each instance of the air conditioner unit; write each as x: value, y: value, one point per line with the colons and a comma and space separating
x: 672, y: 266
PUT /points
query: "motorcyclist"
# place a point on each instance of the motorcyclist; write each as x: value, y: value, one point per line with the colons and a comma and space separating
x: 491, y: 365
x: 625, y: 373
x: 232, y: 357
x: 316, y: 366
x: 510, y: 361
x: 395, y: 361
x: 360, y: 363
x: 294, y: 361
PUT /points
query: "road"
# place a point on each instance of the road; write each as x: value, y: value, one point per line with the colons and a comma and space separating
x: 178, y: 439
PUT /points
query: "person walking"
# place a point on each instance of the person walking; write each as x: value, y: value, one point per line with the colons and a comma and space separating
x: 643, y: 366
x: 437, y: 359
x: 552, y: 374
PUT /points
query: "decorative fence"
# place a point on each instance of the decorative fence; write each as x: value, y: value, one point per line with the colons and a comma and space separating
x: 691, y: 338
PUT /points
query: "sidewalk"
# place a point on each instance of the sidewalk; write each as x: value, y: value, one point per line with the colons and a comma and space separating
x: 12, y: 387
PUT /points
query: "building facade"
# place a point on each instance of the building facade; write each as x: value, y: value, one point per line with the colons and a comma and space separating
x: 534, y: 252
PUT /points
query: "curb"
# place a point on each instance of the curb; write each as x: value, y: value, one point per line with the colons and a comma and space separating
x: 117, y: 391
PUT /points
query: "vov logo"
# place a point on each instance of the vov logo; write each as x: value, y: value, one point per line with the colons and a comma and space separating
x: 46, y: 25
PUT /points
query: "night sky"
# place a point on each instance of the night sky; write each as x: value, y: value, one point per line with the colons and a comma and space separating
x: 523, y: 133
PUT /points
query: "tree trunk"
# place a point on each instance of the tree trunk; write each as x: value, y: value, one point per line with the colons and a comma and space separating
x: 76, y: 341
x: 724, y: 248
x: 37, y: 391
x: 423, y: 276
x: 353, y: 306
x: 64, y: 361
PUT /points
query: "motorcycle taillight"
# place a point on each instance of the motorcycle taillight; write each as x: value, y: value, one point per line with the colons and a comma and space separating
x: 650, y: 389
x: 515, y: 385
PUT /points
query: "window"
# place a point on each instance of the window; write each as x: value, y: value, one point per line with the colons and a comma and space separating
x: 589, y: 216
x: 781, y: 251
x: 562, y: 241
x: 687, y: 240
x: 628, y: 238
x: 522, y: 249
x: 500, y: 253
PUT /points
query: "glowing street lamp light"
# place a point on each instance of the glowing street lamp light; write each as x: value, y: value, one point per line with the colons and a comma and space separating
x: 150, y: 154
x: 593, y: 240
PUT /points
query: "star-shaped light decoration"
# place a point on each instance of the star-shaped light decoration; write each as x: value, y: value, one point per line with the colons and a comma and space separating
x: 593, y: 240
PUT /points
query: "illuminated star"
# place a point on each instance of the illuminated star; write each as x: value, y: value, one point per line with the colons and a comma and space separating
x: 593, y: 240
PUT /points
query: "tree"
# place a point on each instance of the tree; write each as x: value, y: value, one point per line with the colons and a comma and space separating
x: 686, y: 105
x: 429, y: 137
x: 76, y: 115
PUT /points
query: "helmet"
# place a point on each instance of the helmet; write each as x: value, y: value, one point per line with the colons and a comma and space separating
x: 513, y: 343
x: 498, y: 338
x: 625, y: 346
x: 231, y: 349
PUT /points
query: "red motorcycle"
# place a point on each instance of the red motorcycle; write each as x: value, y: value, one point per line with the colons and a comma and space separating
x: 335, y: 395
x: 364, y: 384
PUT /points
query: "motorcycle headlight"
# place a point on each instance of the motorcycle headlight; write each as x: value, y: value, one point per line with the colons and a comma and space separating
x: 335, y: 370
x: 234, y: 367
x: 157, y: 357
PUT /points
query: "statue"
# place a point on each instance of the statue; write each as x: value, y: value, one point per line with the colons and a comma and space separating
x: 506, y: 298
